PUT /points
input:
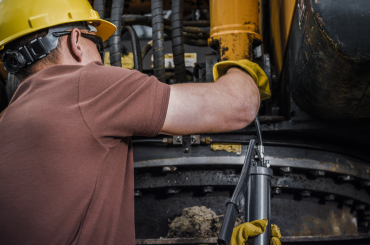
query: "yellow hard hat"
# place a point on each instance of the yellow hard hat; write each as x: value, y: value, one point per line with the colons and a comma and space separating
x: 21, y: 17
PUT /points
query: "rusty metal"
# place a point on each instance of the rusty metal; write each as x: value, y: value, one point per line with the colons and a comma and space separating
x: 350, y: 239
x: 229, y: 177
x: 334, y: 163
x: 234, y: 28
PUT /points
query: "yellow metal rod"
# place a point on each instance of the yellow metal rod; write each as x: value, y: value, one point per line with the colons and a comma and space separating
x: 234, y: 28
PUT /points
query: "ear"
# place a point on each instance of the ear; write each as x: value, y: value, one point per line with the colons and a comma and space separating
x: 75, y: 40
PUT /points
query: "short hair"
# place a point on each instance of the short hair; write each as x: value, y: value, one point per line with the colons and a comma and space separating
x: 51, y: 58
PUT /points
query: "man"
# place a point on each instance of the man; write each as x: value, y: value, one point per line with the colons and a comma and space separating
x: 66, y: 164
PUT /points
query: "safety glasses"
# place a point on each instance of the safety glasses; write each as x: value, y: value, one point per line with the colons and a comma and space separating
x: 96, y: 39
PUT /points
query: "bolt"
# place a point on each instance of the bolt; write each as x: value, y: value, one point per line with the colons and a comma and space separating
x: 193, y: 139
x: 364, y: 224
x: 365, y: 183
x: 186, y: 150
x: 285, y: 170
x: 173, y: 191
x: 178, y: 138
x: 168, y: 168
x: 276, y: 191
x: 346, y: 177
x: 361, y: 207
x: 207, y: 189
x: 318, y: 173
x: 330, y: 197
x: 203, y: 140
x: 138, y: 193
x: 305, y: 193
x: 348, y: 202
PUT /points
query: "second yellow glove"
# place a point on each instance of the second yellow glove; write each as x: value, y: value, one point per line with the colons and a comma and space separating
x: 242, y: 232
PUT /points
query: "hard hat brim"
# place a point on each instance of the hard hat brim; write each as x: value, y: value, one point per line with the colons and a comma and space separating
x: 105, y: 30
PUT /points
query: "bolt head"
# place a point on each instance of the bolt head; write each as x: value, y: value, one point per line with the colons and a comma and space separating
x: 330, y: 197
x: 361, y: 207
x: 138, y: 193
x: 318, y: 173
x: 286, y: 169
x: 207, y: 189
x: 276, y: 190
x: 306, y: 193
x: 348, y: 202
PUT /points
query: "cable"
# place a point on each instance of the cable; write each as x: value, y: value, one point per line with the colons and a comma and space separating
x: 258, y: 130
x: 99, y: 6
x: 159, y: 69
x: 178, y: 40
x: 115, y: 40
x: 138, y: 60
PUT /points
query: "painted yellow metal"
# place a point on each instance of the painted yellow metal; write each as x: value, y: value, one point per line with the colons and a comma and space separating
x: 234, y: 28
x: 281, y: 18
x: 236, y: 148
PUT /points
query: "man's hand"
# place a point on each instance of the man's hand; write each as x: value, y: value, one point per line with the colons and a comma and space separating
x: 242, y: 232
x: 230, y: 103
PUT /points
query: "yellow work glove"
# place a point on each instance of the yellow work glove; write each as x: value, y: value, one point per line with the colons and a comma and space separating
x: 251, y: 229
x: 253, y: 69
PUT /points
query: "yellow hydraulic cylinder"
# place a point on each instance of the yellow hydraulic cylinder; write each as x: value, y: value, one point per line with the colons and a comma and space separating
x: 234, y: 28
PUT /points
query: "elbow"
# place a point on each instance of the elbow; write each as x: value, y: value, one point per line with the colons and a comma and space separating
x: 249, y: 109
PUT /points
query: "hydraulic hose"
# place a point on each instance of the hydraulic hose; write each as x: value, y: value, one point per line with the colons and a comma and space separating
x: 115, y: 40
x: 99, y: 6
x: 178, y: 40
x: 138, y: 61
x: 158, y: 40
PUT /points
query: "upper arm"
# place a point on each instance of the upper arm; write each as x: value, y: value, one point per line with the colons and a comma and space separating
x: 228, y: 104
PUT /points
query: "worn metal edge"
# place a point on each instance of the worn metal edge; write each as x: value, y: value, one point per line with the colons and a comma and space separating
x: 274, y: 161
x: 213, y: 240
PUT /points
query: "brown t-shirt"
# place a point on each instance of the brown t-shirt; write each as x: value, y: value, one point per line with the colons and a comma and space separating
x: 66, y: 164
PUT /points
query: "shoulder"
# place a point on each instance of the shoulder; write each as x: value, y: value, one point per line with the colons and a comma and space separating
x: 96, y: 78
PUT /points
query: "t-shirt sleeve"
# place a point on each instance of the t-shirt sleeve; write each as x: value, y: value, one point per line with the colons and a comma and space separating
x: 117, y: 102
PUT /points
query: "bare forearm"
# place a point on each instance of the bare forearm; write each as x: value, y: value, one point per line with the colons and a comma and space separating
x: 228, y: 104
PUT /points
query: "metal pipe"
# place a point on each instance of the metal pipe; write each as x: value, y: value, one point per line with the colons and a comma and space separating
x: 115, y: 40
x: 234, y: 20
x: 99, y: 6
x: 258, y: 201
x: 138, y: 60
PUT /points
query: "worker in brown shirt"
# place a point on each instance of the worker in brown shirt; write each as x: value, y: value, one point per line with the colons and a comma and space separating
x: 66, y: 164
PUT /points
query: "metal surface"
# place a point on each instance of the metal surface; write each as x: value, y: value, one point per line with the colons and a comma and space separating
x: 298, y: 159
x: 328, y: 39
x: 234, y: 28
x: 346, y: 239
x: 258, y: 201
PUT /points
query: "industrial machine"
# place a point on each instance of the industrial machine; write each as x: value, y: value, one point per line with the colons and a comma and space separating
x: 315, y: 126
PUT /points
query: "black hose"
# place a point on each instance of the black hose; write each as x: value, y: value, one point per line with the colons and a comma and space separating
x: 258, y: 130
x: 146, y: 48
x: 115, y: 40
x: 199, y: 43
x: 149, y: 46
x: 159, y: 69
x: 178, y: 40
x: 99, y: 6
x: 138, y: 60
x: 132, y: 19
